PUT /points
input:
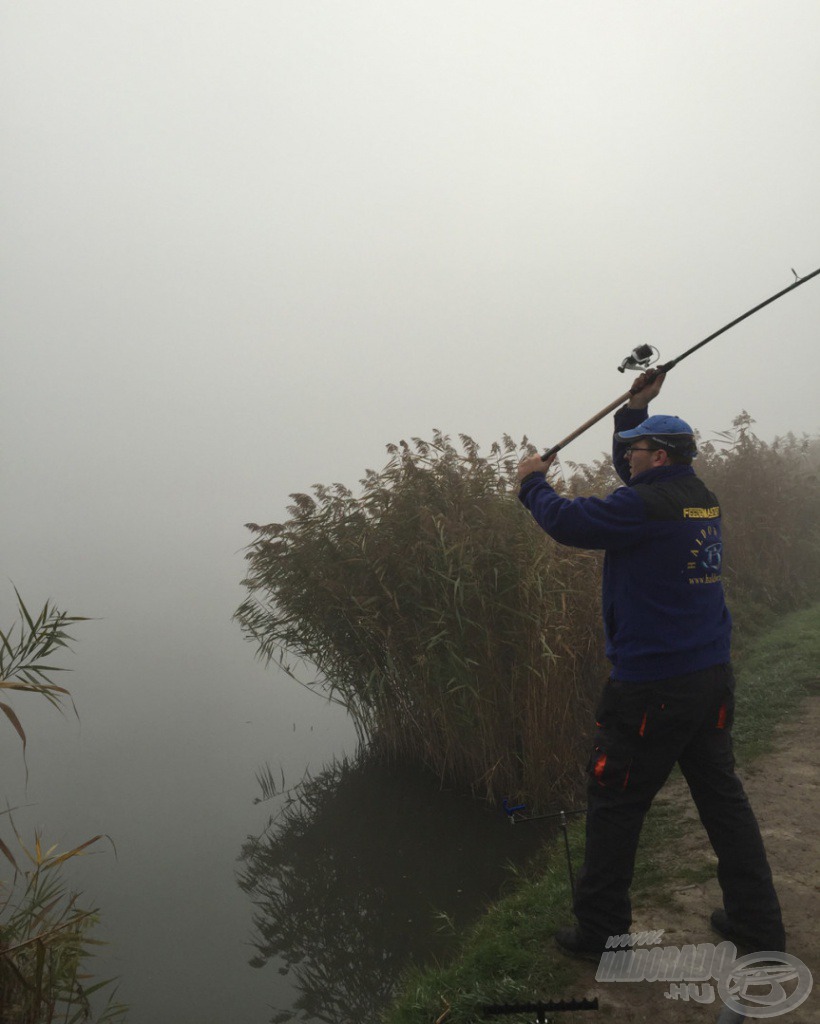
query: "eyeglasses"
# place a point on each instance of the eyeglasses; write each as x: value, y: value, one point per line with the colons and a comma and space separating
x: 631, y: 449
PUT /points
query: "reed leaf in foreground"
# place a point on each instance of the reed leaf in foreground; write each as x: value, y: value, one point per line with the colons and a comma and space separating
x: 45, y: 935
x: 24, y: 650
x: 45, y: 939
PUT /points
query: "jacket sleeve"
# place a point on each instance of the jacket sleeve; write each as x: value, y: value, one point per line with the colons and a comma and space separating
x: 625, y: 419
x: 610, y: 523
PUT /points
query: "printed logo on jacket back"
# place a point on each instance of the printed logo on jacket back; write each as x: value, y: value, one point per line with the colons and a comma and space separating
x: 707, y: 555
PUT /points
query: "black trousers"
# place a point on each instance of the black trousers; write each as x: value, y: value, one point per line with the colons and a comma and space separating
x: 642, y: 731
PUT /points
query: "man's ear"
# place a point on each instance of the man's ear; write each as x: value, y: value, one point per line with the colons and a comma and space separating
x: 663, y: 457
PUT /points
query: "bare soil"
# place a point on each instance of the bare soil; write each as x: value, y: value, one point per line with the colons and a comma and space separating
x: 784, y: 789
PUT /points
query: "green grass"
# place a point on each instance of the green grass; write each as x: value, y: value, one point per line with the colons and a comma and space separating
x: 509, y: 955
x: 505, y: 958
x: 774, y: 675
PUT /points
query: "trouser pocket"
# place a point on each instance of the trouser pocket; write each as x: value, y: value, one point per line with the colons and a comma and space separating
x: 620, y: 721
x: 725, y: 716
x: 609, y: 763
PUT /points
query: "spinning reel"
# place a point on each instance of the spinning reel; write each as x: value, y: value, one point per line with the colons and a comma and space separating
x: 640, y: 358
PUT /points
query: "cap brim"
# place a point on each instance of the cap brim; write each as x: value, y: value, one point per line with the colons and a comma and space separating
x: 629, y: 435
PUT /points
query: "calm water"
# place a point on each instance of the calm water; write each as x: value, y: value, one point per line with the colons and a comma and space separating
x: 177, y: 720
x: 164, y: 761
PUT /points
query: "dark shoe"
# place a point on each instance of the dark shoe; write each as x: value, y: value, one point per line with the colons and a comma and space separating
x: 741, y: 937
x: 575, y: 943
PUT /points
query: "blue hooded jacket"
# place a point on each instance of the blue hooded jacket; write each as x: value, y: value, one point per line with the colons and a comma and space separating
x: 663, y: 605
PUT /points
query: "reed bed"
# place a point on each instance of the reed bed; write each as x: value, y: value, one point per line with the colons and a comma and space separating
x: 438, y: 613
x: 770, y: 496
x: 456, y: 633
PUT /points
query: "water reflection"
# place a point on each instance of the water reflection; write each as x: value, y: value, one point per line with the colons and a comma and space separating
x: 357, y: 875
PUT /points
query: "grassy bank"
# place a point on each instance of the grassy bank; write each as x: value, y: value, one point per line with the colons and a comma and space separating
x: 509, y: 955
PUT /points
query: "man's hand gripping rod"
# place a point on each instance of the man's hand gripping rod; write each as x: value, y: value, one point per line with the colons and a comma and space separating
x: 638, y: 360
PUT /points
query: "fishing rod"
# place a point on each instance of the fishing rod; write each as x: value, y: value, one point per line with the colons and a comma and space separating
x: 643, y: 357
x: 515, y: 817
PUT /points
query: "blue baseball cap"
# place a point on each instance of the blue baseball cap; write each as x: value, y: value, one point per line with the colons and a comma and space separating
x: 668, y: 432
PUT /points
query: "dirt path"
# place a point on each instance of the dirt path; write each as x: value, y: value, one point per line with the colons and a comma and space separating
x: 784, y: 789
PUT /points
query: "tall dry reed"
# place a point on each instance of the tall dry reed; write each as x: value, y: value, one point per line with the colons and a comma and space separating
x: 439, y: 614
x: 769, y: 496
x: 456, y: 633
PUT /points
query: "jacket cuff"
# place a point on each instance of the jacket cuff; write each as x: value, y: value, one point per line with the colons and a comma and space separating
x: 528, y: 479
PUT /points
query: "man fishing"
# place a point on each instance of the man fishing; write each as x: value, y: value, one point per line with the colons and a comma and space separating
x: 670, y: 697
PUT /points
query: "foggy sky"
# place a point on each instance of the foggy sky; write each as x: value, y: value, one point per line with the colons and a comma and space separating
x: 247, y: 245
